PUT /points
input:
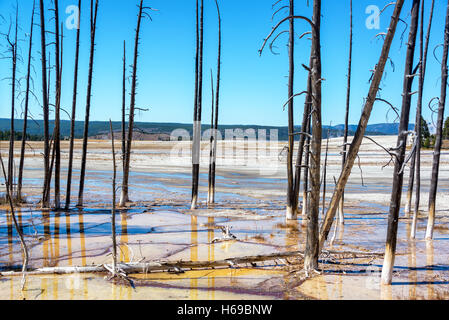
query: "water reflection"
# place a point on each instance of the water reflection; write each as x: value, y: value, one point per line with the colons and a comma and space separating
x: 194, y: 255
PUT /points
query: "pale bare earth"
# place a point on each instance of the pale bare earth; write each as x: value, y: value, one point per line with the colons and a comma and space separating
x: 251, y: 186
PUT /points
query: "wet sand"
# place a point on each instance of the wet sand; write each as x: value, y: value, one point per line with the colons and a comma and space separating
x: 251, y: 185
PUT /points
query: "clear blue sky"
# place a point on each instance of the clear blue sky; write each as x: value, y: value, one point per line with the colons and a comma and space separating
x: 253, y: 88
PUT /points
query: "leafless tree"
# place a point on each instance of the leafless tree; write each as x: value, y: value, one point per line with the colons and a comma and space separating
x: 73, y: 117
x: 57, y: 143
x: 415, y: 168
x: 398, y: 173
x: 93, y: 26
x: 124, y: 198
x: 25, y: 112
x: 114, y: 178
x: 348, y: 103
x: 213, y: 165
x: 124, y: 106
x: 196, y: 146
x: 361, y: 129
x: 439, y: 133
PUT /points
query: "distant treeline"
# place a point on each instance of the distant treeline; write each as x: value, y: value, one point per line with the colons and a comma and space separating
x: 6, y: 135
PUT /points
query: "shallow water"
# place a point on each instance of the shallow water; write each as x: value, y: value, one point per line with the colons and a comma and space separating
x: 161, y: 226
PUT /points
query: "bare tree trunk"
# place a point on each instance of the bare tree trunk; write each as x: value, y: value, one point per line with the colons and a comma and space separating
x: 325, y: 173
x: 398, y: 173
x: 196, y: 148
x: 124, y: 196
x: 13, y: 46
x: 124, y: 107
x: 302, y: 141
x: 291, y: 213
x: 346, y: 132
x: 312, y: 239
x: 45, y: 202
x: 305, y: 191
x: 57, y: 143
x: 93, y: 25
x: 114, y: 177
x: 217, y: 100
x: 417, y: 165
x: 212, y: 139
x: 73, y: 118
x: 358, y: 137
x: 25, y: 114
x: 439, y: 133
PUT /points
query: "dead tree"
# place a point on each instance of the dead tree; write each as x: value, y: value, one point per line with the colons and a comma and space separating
x: 215, y: 125
x: 57, y: 143
x: 416, y: 161
x: 211, y: 140
x: 13, y: 48
x: 398, y: 173
x: 341, y: 219
x: 439, y: 133
x: 196, y: 146
x: 25, y: 112
x: 361, y: 129
x: 114, y: 177
x: 124, y: 106
x: 124, y: 198
x: 93, y: 26
x: 291, y: 213
x: 45, y: 200
x: 302, y: 140
x: 73, y: 117
x: 312, y: 239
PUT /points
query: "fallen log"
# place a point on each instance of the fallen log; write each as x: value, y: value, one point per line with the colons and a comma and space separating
x: 181, y: 266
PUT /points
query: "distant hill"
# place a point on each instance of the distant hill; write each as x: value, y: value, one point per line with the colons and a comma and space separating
x: 162, y: 131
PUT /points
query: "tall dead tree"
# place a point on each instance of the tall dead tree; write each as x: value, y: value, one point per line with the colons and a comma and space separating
x: 212, y: 138
x: 73, y: 116
x: 124, y: 106
x: 312, y: 240
x: 93, y: 26
x: 124, y: 198
x: 215, y: 121
x: 416, y: 161
x: 291, y: 213
x: 13, y: 48
x: 439, y: 133
x: 196, y: 146
x: 45, y: 200
x: 114, y: 177
x: 341, y: 219
x: 57, y: 142
x: 25, y: 111
x: 361, y: 129
x: 398, y: 173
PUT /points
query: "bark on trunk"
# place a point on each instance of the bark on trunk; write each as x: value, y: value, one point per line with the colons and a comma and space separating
x: 398, y: 174
x: 291, y: 213
x: 57, y: 143
x: 217, y: 100
x: 124, y: 106
x: 196, y: 147
x: 73, y: 117
x: 341, y: 216
x: 312, y: 239
x: 25, y: 114
x: 439, y: 133
x: 422, y: 74
x: 13, y: 45
x: 114, y: 177
x: 93, y: 25
x: 124, y: 198
x: 361, y: 129
x: 45, y: 202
